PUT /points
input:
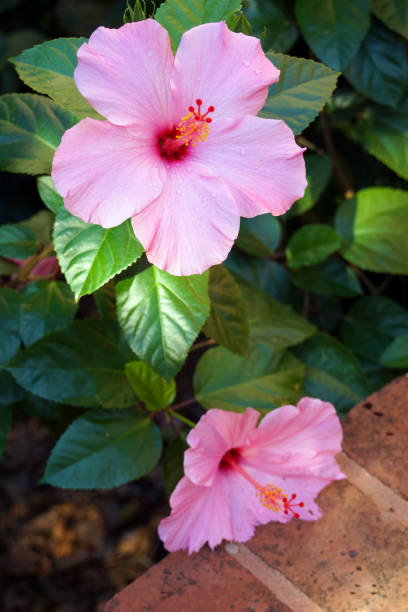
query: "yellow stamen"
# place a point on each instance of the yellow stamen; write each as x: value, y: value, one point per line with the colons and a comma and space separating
x: 192, y: 130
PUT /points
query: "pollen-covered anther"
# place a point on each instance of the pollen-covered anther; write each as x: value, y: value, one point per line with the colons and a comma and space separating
x: 270, y: 497
x: 195, y: 125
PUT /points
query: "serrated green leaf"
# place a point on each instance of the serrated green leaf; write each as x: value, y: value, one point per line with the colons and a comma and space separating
x: 374, y: 226
x: 266, y: 379
x: 17, y: 241
x: 372, y: 323
x: 396, y: 354
x: 311, y: 244
x: 303, y: 89
x: 394, y: 13
x: 271, y: 25
x: 45, y: 307
x: 259, y: 236
x: 333, y: 29
x: 332, y: 277
x: 173, y: 468
x: 162, y: 315
x: 318, y: 173
x: 9, y: 324
x: 151, y: 388
x: 5, y: 424
x: 104, y: 449
x: 48, y: 193
x: 31, y: 127
x: 332, y: 373
x: 81, y: 365
x: 90, y: 255
x: 228, y: 320
x: 49, y: 69
x: 379, y: 69
x: 178, y: 16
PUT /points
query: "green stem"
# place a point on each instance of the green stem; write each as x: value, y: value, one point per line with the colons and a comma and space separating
x: 180, y: 417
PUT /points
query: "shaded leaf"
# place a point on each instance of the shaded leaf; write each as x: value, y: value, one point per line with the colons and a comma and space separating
x: 311, y: 244
x: 271, y: 25
x: 259, y: 236
x: 9, y: 324
x: 396, y: 353
x: 394, y: 13
x: 48, y: 193
x: 151, y: 388
x: 10, y: 392
x: 173, y: 468
x: 318, y: 173
x: 332, y: 277
x: 5, y: 424
x: 17, y: 241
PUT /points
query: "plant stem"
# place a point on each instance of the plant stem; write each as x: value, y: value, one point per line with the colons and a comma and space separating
x: 24, y: 272
x: 304, y: 142
x: 180, y: 417
x: 202, y: 344
x: 183, y: 404
x: 331, y: 149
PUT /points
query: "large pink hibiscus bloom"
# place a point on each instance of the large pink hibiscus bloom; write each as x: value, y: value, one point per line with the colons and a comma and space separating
x: 238, y: 475
x: 182, y: 152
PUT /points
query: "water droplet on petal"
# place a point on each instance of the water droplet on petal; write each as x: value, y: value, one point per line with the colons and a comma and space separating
x: 258, y: 71
x: 243, y: 151
x: 214, y: 195
x: 246, y: 63
x: 178, y: 190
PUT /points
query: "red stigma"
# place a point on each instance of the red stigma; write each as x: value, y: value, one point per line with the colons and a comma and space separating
x: 199, y: 102
x: 288, y: 505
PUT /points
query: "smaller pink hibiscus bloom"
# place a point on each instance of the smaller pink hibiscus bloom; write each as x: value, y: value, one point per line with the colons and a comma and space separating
x: 238, y: 475
x: 182, y: 152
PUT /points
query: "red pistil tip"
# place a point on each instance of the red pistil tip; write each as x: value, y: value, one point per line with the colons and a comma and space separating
x: 211, y: 109
x: 191, y: 109
x: 199, y: 102
x: 208, y: 120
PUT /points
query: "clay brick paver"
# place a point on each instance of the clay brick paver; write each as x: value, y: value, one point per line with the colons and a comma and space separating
x: 354, y: 559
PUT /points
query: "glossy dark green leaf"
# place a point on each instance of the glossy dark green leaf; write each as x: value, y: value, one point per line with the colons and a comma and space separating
x: 379, y: 69
x: 173, y: 468
x: 45, y: 307
x: 228, y: 320
x: 90, y: 255
x: 5, y: 424
x: 48, y: 193
x: 49, y: 69
x: 259, y: 236
x: 333, y: 29
x: 396, y: 353
x: 151, y: 388
x: 82, y: 365
x: 17, y: 241
x: 332, y: 373
x: 104, y: 449
x: 266, y: 379
x: 177, y: 16
x: 162, y: 315
x: 332, y: 277
x: 271, y: 25
x: 9, y: 324
x: 394, y: 13
x: 374, y: 226
x: 311, y: 244
x: 318, y: 173
x: 303, y: 89
x: 371, y: 324
x: 31, y: 127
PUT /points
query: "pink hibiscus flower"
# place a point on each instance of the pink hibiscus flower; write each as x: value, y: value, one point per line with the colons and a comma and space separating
x: 238, y: 475
x: 182, y: 153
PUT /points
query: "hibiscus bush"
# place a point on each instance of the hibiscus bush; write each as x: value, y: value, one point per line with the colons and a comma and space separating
x: 136, y: 299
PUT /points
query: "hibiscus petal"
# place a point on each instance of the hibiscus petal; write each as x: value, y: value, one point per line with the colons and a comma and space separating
x: 259, y: 160
x: 216, y: 433
x: 192, y: 225
x: 106, y: 173
x: 226, y: 70
x: 125, y: 73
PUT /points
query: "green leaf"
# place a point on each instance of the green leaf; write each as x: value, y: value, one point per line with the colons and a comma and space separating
x: 266, y: 379
x: 17, y: 241
x: 90, y: 255
x: 228, y: 320
x: 332, y: 277
x: 10, y: 392
x: 173, y: 468
x: 396, y: 354
x: 271, y: 25
x: 303, y: 89
x: 377, y: 376
x: 31, y: 127
x: 49, y: 69
x: 162, y: 315
x: 41, y: 224
x: 394, y: 13
x: 104, y: 449
x: 82, y: 365
x: 318, y: 173
x: 178, y: 16
x: 311, y: 244
x: 239, y: 23
x: 45, y: 307
x: 333, y: 29
x: 5, y: 424
x: 371, y: 324
x: 383, y: 132
x: 333, y: 374
x: 374, y: 226
x: 273, y: 323
x: 7, y: 267
x: 48, y: 193
x: 379, y: 69
x: 9, y: 324
x: 105, y: 299
x: 151, y: 388
x: 259, y: 236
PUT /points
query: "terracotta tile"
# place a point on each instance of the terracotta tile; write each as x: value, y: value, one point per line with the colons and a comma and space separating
x: 350, y: 560
x: 376, y: 435
x: 201, y: 583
